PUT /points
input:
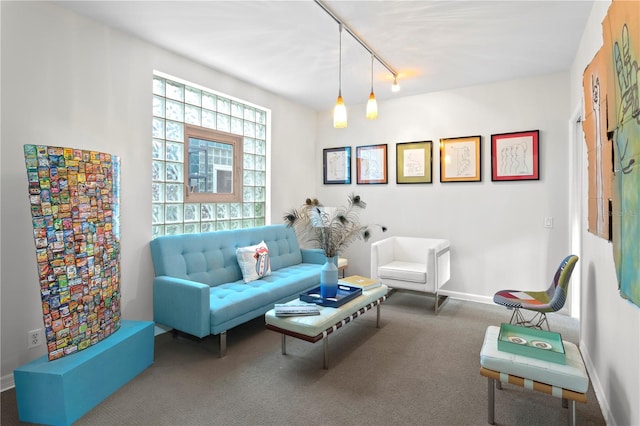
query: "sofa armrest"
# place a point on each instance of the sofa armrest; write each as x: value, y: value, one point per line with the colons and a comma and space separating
x: 182, y: 305
x: 313, y: 256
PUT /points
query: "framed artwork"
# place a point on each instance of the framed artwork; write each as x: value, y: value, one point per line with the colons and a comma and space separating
x: 336, y: 166
x: 371, y: 164
x: 514, y: 156
x: 413, y: 162
x: 460, y: 159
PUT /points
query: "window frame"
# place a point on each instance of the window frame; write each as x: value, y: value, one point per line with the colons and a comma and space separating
x: 191, y: 131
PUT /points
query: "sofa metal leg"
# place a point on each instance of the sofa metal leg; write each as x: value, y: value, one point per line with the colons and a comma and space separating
x: 284, y: 344
x: 223, y: 344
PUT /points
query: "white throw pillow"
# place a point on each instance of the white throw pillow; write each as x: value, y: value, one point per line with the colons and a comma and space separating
x: 254, y: 261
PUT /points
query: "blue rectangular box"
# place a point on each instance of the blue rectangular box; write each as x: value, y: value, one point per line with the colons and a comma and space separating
x: 345, y: 294
x: 60, y: 392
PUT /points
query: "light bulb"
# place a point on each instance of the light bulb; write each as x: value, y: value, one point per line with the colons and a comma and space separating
x: 395, y: 87
x: 372, y: 107
x: 339, y: 114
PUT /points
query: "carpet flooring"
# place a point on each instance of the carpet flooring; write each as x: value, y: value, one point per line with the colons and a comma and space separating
x: 418, y: 368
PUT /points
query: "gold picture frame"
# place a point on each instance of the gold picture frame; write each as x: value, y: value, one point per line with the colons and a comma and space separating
x: 461, y: 159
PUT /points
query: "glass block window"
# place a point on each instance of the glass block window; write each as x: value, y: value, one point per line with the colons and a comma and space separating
x: 177, y: 103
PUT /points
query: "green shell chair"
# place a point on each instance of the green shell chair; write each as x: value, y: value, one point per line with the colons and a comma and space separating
x: 540, y: 302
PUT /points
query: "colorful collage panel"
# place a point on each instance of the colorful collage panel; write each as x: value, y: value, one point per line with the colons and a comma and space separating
x: 74, y: 197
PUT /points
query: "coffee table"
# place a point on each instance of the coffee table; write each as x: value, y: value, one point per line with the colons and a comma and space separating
x: 318, y: 327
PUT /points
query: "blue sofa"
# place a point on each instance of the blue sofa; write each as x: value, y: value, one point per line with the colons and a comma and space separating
x: 198, y: 287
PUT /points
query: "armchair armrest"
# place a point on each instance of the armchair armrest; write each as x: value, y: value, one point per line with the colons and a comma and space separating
x: 182, y: 304
x: 381, y: 254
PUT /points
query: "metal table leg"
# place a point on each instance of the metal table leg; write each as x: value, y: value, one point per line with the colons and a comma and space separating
x: 572, y: 413
x: 326, y: 353
x: 491, y: 401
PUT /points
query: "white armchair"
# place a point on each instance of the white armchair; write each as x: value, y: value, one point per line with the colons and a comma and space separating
x: 415, y: 264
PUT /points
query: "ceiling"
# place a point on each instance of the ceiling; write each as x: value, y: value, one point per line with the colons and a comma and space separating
x: 291, y: 48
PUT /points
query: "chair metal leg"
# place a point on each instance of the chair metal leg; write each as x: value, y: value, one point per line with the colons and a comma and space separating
x: 440, y: 301
x: 537, y: 321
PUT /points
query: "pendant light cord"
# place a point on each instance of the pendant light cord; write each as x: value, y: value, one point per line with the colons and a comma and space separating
x: 372, y: 73
x: 340, y: 65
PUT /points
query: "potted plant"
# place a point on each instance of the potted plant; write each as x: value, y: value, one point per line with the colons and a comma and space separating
x: 329, y: 229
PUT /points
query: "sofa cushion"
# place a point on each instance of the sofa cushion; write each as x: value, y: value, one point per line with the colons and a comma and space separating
x: 254, y: 261
x: 404, y: 271
x: 230, y: 300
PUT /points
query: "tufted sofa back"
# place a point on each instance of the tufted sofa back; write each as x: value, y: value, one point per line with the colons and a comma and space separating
x: 210, y: 257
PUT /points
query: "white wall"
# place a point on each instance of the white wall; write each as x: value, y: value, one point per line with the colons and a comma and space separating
x: 610, y: 326
x: 71, y: 82
x: 68, y: 81
x: 495, y: 228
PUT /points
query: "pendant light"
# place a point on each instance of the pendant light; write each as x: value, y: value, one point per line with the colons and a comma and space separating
x: 340, y: 111
x: 372, y: 105
x: 395, y: 87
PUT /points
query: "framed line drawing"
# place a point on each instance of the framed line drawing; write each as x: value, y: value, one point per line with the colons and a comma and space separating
x: 514, y: 156
x: 460, y: 159
x: 414, y: 162
x: 371, y: 164
x: 336, y: 166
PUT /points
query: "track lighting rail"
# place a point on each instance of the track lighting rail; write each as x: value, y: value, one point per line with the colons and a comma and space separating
x: 373, y: 53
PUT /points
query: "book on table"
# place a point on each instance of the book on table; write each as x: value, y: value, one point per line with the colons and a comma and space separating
x: 361, y: 282
x: 296, y: 309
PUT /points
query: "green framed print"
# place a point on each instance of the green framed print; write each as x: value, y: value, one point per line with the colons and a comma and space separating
x: 414, y: 161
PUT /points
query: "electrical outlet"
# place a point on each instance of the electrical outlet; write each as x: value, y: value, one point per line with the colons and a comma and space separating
x: 34, y: 338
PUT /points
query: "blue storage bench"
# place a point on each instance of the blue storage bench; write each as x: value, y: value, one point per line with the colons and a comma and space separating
x: 60, y: 392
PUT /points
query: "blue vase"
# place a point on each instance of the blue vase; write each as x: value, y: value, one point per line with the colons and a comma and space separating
x: 329, y: 278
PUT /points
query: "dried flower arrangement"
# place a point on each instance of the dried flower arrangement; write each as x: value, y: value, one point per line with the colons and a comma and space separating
x: 330, y: 231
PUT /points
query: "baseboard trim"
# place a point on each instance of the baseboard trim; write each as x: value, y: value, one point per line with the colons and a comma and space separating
x: 466, y: 296
x: 7, y: 382
x: 597, y: 386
